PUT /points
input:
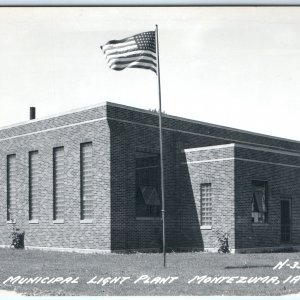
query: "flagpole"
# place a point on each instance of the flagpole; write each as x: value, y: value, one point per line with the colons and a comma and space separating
x: 161, y: 154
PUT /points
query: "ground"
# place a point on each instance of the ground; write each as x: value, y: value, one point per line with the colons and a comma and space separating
x: 185, y: 266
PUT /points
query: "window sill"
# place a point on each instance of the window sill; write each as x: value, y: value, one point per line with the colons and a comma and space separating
x: 148, y: 218
x: 33, y: 221
x: 86, y: 221
x: 58, y: 221
x: 10, y: 222
x: 205, y: 227
x: 260, y: 224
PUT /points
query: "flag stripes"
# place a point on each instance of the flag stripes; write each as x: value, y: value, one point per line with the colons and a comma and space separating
x: 138, y: 51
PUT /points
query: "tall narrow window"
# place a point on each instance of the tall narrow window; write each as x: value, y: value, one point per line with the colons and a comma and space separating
x: 147, y: 171
x: 33, y: 185
x: 86, y: 178
x: 11, y: 187
x: 259, y: 201
x: 58, y: 183
x: 206, y: 204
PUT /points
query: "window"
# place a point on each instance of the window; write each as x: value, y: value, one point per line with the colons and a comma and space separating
x: 259, y: 201
x: 58, y: 183
x: 206, y: 204
x: 148, y: 203
x: 11, y: 187
x: 86, y: 179
x: 33, y: 185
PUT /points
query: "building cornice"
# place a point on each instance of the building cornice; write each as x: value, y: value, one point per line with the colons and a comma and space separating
x: 244, y: 146
x: 112, y: 104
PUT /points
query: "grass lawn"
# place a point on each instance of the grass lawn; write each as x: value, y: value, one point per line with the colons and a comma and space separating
x: 34, y: 263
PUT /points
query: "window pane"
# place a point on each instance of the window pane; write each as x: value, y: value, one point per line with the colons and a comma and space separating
x: 206, y: 204
x: 148, y: 202
x: 259, y: 201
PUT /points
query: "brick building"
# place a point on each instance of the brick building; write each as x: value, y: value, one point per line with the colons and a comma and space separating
x: 89, y: 180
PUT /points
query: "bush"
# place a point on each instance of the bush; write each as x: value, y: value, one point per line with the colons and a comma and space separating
x: 223, y: 242
x: 17, y: 238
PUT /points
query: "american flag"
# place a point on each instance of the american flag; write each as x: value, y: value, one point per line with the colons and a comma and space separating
x: 138, y: 51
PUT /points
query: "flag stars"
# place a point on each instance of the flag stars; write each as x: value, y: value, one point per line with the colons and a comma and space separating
x: 146, y: 41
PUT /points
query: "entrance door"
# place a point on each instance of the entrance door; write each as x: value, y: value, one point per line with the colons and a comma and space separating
x: 286, y: 220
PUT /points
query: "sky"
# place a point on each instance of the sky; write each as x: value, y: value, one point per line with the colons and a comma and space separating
x: 232, y: 66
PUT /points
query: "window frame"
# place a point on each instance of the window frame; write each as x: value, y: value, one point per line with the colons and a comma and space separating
x: 205, y: 224
x: 30, y: 154
x: 54, y: 216
x: 9, y: 214
x: 258, y: 186
x: 153, y: 211
x: 83, y: 218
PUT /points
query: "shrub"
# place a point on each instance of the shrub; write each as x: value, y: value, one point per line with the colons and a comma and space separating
x: 17, y: 238
x: 223, y: 242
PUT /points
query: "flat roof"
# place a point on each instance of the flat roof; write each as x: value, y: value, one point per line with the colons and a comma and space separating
x: 113, y: 104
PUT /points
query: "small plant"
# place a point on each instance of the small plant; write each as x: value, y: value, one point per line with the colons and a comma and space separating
x: 223, y: 242
x: 157, y: 111
x: 17, y: 237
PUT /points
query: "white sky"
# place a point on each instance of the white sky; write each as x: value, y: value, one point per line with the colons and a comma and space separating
x: 233, y: 66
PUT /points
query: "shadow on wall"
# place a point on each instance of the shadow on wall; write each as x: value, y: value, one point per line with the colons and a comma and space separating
x: 129, y: 233
x: 189, y: 233
x: 119, y: 204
